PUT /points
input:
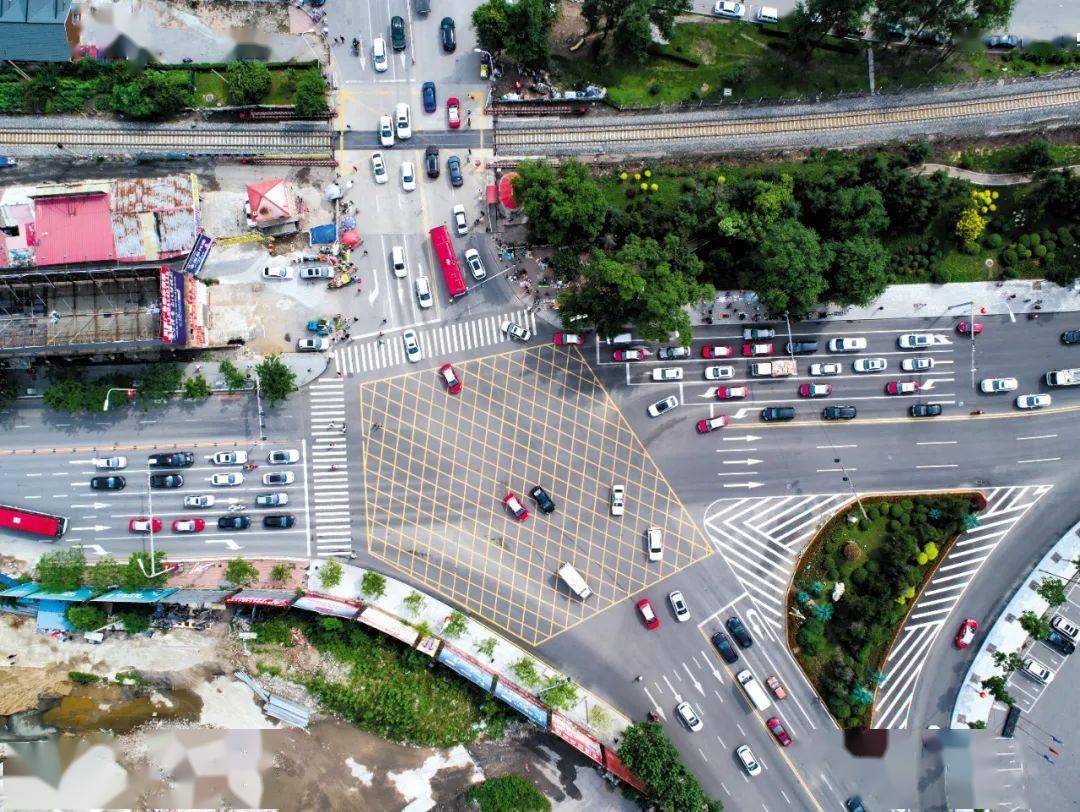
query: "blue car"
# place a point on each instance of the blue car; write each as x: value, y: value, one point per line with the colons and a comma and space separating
x: 320, y: 327
x: 428, y: 94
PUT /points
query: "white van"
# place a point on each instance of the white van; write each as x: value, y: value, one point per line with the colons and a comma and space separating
x: 572, y: 578
x: 423, y: 292
x: 378, y: 54
x: 753, y: 690
x: 397, y: 262
x: 655, y: 543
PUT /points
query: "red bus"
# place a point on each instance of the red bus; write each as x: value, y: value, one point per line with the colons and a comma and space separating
x: 448, y: 264
x: 32, y: 522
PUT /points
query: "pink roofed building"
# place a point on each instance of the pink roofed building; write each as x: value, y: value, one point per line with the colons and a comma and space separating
x: 273, y: 207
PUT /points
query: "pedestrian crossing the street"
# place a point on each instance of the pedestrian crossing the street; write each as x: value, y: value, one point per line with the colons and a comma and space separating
x: 1004, y: 508
x: 447, y: 339
x: 330, y: 470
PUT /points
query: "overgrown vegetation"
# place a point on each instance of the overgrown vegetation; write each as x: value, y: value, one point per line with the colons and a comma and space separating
x: 86, y: 617
x: 240, y: 572
x: 880, y: 560
x: 651, y: 756
x: 275, y: 378
x: 507, y: 793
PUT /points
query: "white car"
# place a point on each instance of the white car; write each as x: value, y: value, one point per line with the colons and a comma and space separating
x: 283, y: 456
x: 746, y: 756
x: 111, y: 463
x: 408, y: 176
x: 903, y: 388
x: 917, y: 364
x: 315, y: 344
x: 476, y: 265
x: 1032, y: 401
x: 725, y: 8
x: 678, y: 606
x: 690, y: 719
x: 719, y: 373
x: 1037, y: 671
x: 279, y: 478
x: 277, y: 273
x: 423, y: 292
x: 515, y: 331
x: 397, y: 262
x: 230, y: 480
x: 461, y: 220
x: 869, y: 365
x: 667, y: 374
x: 378, y: 55
x: 403, y: 121
x: 993, y: 386
x: 661, y: 406
x: 201, y: 501
x: 230, y: 458
x: 847, y: 344
x: 824, y: 369
x: 412, y: 346
x: 386, y: 131
x: 378, y: 167
x: 618, y: 500
x: 654, y: 542
x: 915, y: 341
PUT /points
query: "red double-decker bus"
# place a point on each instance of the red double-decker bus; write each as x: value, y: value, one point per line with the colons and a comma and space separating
x: 448, y: 264
x: 32, y: 522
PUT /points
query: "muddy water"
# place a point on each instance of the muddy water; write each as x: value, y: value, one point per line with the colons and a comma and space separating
x: 117, y: 708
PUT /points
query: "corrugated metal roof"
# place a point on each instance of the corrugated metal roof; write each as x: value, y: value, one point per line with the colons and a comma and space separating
x: 73, y: 229
x: 72, y: 595
x: 34, y: 11
x: 196, y: 597
x: 20, y: 591
x: 140, y: 596
x: 33, y: 42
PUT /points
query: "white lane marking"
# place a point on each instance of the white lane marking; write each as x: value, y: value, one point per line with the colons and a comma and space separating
x: 938, y: 442
x: 828, y: 446
x: 1038, y: 437
x: 834, y: 470
x: 950, y: 465
x: 1044, y: 459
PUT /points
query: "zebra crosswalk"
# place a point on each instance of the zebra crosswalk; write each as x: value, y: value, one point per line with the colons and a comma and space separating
x: 449, y: 338
x: 330, y: 468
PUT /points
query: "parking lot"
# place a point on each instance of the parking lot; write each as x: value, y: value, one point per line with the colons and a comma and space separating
x: 437, y: 467
x: 1027, y: 691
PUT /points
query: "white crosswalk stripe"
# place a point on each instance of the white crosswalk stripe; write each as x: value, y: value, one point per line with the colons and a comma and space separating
x: 375, y: 354
x: 330, y: 486
x: 1004, y: 508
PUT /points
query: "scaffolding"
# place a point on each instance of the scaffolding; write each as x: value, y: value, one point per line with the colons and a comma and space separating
x: 66, y: 311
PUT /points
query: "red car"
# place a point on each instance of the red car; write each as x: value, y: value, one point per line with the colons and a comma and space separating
x: 776, y: 688
x: 565, y: 339
x: 732, y: 392
x: 647, y: 614
x: 966, y: 328
x: 716, y: 351
x: 188, y: 526
x: 450, y: 378
x: 632, y: 354
x: 144, y: 524
x: 902, y: 387
x: 750, y: 350
x: 966, y: 633
x: 815, y: 390
x: 513, y: 504
x: 777, y: 730
x: 453, y: 112
x: 712, y: 424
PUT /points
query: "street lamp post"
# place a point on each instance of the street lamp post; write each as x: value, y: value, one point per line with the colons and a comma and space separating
x: 108, y: 394
x: 262, y: 412
x: 851, y: 484
x: 150, y: 513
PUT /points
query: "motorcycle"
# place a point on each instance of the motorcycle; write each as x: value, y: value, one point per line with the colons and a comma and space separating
x: 355, y: 47
x: 250, y: 466
x: 1032, y: 316
x: 977, y: 411
x: 653, y: 716
x: 237, y: 508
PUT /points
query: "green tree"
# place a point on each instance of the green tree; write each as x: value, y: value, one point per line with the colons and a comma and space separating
x: 487, y: 647
x: 69, y: 395
x: 998, y: 689
x: 310, y: 94
x: 85, y: 617
x: 559, y: 693
x: 1052, y: 590
x: 525, y: 671
x: 276, y: 380
x: 507, y: 793
x: 1035, y: 625
x: 240, y: 572
x: 234, y: 377
x: 859, y: 270
x: 652, y: 757
x: 247, y: 82
x: 520, y: 30
x: 1036, y: 154
x: 133, y: 575
x: 951, y: 17
x: 281, y: 573
x: 134, y: 622
x: 160, y: 382
x: 752, y: 209
x: 624, y: 19
x: 455, y: 626
x: 197, y: 387
x: 813, y: 19
x: 491, y: 20
x: 61, y: 571
x: 104, y: 573
x: 1008, y: 662
x: 373, y: 585
x: 8, y: 388
x: 414, y: 602
x: 330, y: 574
x: 152, y: 94
x: 792, y: 265
x: 564, y: 205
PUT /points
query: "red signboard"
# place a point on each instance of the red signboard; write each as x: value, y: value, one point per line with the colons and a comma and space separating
x: 615, y: 766
x: 576, y: 736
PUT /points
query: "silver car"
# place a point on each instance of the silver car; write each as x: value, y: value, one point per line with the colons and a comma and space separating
x: 661, y: 406
x: 200, y: 501
x: 515, y: 331
x: 869, y: 365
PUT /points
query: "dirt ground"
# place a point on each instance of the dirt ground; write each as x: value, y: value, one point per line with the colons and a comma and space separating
x: 211, y: 575
x: 225, y: 16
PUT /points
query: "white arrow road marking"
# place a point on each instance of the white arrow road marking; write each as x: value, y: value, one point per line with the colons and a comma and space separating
x: 95, y: 505
x: 743, y: 412
x: 748, y: 437
x: 672, y: 689
x: 940, y: 339
x: 232, y: 545
x: 97, y: 528
x: 656, y: 706
x: 693, y: 679
x: 744, y: 485
x: 96, y: 549
x: 747, y: 461
x: 709, y: 393
x: 928, y: 385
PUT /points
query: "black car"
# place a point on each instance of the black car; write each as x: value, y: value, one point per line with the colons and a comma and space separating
x: 447, y: 35
x: 172, y: 459
x: 453, y: 166
x: 282, y: 520
x: 839, y: 413
x: 431, y: 161
x: 108, y: 483
x: 166, y: 481
x: 854, y: 804
x: 771, y: 414
x: 925, y: 410
x: 723, y: 645
x: 1060, y: 643
x: 739, y: 632
x: 800, y: 347
x: 397, y: 33
x: 233, y: 523
x: 543, y: 501
x: 1070, y: 337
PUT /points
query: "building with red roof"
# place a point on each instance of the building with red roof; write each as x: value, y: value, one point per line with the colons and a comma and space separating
x: 273, y: 207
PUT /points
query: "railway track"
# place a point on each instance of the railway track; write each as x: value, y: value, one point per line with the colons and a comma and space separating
x: 511, y: 138
x: 245, y: 140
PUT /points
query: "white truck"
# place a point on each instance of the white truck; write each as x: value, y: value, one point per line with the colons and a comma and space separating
x: 573, y: 580
x: 779, y: 368
x: 1063, y: 377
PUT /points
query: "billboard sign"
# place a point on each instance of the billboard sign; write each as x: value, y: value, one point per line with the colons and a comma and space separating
x: 388, y: 624
x: 327, y: 606
x: 199, y: 252
x: 173, y: 324
x: 576, y: 736
x: 465, y: 666
x: 525, y: 705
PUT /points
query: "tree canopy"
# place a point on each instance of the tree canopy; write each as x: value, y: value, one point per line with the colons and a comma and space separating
x: 628, y: 22
x: 651, y: 756
x: 519, y: 30
x: 247, y: 81
x: 564, y: 205
x: 276, y: 380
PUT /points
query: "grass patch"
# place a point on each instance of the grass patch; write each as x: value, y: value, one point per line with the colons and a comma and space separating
x: 210, y: 88
x: 1004, y: 160
x: 508, y: 793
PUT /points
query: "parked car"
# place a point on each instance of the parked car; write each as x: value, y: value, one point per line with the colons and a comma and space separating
x: 902, y: 388
x: 618, y: 500
x: 925, y: 410
x: 631, y: 354
x: 667, y: 374
x: 378, y: 168
x: 397, y: 33
x: 386, y: 131
x: 427, y: 95
x: 993, y: 386
x: 431, y: 162
x: 278, y: 273
x: 543, y: 501
x: 1060, y: 643
x: 475, y: 264
x: 757, y: 333
x: 461, y: 219
x: 754, y: 350
x: 408, y: 176
x: 729, y: 9
x: 513, y: 504
x: 447, y: 35
x: 716, y: 351
x: 662, y: 406
x: 1063, y: 625
x: 453, y: 113
x: 801, y: 347
x: 772, y: 414
x: 313, y: 344
x: 567, y: 339
x: 966, y: 633
x: 678, y: 606
x: 450, y: 378
x: 316, y: 272
x: 1005, y: 41
x: 739, y: 632
x: 719, y: 373
x: 110, y: 463
x: 711, y: 424
x: 453, y: 166
x: 673, y: 353
x: 403, y: 121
